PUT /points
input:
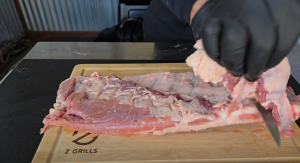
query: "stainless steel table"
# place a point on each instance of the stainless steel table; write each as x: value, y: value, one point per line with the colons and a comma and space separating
x: 111, y: 51
x: 140, y: 51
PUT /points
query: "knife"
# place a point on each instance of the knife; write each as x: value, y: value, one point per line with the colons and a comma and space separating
x: 269, y: 121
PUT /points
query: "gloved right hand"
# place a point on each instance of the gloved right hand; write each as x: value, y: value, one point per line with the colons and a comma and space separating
x: 248, y: 36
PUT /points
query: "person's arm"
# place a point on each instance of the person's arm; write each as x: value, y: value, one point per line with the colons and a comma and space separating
x: 184, y: 9
x: 196, y: 7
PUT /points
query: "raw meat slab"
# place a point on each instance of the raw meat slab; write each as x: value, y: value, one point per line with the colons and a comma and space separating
x: 241, y: 143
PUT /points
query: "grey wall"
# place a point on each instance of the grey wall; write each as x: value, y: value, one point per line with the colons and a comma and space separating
x: 70, y: 15
x: 10, y: 24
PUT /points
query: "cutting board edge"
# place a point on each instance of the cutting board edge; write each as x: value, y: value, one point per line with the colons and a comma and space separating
x: 52, y: 134
x: 250, y: 160
x: 80, y: 68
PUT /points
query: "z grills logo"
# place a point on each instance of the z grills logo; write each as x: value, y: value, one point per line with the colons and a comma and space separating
x: 78, y: 142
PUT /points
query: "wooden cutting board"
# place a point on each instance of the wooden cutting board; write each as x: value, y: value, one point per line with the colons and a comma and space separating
x: 238, y: 143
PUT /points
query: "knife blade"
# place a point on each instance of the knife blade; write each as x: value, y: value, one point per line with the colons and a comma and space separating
x: 269, y: 121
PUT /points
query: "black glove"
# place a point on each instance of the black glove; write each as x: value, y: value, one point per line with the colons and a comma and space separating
x: 248, y: 37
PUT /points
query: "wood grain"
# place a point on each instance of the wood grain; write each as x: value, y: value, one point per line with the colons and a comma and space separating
x: 236, y: 143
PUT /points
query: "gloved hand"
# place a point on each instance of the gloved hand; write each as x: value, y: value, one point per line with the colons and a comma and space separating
x: 248, y: 37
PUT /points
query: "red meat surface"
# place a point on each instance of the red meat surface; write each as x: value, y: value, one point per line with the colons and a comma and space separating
x: 109, y: 105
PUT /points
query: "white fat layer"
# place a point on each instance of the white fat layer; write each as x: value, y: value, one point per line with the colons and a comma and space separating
x: 184, y: 127
x: 204, y: 67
